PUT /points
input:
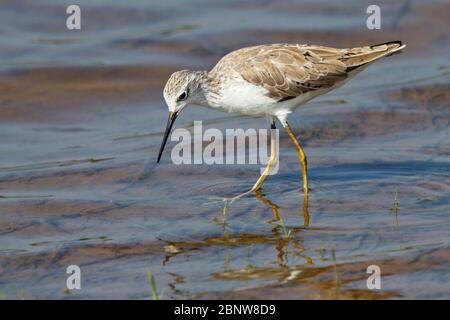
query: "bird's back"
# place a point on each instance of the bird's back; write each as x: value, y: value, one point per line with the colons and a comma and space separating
x: 287, y: 71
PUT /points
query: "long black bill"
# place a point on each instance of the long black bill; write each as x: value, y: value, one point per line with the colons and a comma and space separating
x: 170, y: 121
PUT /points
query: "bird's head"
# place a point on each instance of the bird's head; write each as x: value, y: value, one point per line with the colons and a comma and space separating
x: 182, y: 88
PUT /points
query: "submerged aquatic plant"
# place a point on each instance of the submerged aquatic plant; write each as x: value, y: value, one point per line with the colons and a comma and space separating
x: 395, y: 203
x: 152, y: 284
x: 226, y: 262
x: 336, y: 275
x: 248, y: 265
x: 224, y: 213
x: 321, y: 250
x: 287, y: 232
x: 395, y: 207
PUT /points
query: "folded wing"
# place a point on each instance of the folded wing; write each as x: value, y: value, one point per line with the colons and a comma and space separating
x: 288, y: 71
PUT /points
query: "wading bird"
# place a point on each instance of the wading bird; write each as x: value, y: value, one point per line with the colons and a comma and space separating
x: 269, y: 81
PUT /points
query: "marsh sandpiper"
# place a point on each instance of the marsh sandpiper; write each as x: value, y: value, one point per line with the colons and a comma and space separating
x: 269, y: 81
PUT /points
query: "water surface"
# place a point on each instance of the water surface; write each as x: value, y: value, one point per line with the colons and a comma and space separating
x: 81, y: 120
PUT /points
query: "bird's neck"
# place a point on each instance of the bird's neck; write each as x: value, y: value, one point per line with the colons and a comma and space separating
x: 208, y: 90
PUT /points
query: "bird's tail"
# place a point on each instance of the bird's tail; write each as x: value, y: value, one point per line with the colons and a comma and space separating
x: 360, y: 56
x: 390, y: 47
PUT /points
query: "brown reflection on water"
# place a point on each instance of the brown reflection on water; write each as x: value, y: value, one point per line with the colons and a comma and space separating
x: 262, y: 198
x: 300, y: 281
x: 305, y: 281
x: 276, y: 209
x: 334, y: 282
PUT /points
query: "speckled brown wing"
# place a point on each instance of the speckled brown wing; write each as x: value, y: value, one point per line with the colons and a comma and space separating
x: 288, y: 71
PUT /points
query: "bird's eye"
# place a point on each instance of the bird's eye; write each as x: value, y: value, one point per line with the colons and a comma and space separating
x: 182, y: 96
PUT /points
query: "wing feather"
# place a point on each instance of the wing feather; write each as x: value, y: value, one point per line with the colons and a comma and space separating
x: 289, y: 70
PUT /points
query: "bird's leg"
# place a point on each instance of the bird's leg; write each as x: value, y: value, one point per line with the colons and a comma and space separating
x: 271, y: 163
x: 301, y: 155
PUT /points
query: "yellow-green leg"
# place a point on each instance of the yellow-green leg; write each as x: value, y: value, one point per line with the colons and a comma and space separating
x: 270, y: 164
x: 301, y: 155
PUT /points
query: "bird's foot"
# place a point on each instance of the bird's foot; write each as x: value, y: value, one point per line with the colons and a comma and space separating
x: 232, y: 199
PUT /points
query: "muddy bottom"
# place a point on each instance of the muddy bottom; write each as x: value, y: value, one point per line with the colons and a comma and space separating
x: 82, y: 117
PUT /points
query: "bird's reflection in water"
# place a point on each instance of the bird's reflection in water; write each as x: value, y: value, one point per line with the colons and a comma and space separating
x: 286, y: 250
x: 244, y: 256
x: 286, y: 242
x: 273, y: 206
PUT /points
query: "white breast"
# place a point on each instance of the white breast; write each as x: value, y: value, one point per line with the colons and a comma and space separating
x: 243, y: 97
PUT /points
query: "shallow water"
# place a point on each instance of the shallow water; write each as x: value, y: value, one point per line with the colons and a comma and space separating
x: 81, y: 120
